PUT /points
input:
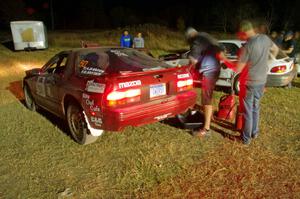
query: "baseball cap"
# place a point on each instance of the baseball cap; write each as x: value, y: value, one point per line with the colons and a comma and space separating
x: 289, y: 33
x: 190, y: 31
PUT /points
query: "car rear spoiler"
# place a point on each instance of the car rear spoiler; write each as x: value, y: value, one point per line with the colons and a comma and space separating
x: 130, y: 73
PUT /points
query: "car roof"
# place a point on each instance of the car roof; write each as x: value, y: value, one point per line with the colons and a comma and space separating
x: 239, y: 43
x: 99, y: 49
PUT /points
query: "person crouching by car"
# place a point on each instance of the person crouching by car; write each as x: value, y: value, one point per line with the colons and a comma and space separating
x: 202, y: 56
x: 288, y: 44
x: 126, y: 40
x: 253, y: 66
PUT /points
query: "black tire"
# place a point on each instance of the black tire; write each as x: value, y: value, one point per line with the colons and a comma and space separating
x: 29, y: 101
x: 236, y: 84
x: 78, y: 126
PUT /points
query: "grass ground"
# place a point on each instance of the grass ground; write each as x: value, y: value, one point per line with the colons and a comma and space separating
x: 39, y: 159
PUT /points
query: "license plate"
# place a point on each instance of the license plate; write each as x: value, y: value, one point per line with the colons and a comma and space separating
x: 157, y: 90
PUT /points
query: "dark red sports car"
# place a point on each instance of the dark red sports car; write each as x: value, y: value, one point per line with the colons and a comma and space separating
x: 98, y: 89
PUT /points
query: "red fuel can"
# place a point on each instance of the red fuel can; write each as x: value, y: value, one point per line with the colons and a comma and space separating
x: 226, y: 107
x: 239, y: 120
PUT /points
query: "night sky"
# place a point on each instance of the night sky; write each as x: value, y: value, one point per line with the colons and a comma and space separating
x: 102, y: 14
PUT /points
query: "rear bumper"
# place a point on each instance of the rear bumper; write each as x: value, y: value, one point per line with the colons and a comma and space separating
x: 281, y: 80
x: 117, y: 119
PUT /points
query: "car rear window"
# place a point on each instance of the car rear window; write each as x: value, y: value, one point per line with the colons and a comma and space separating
x: 133, y: 60
x: 230, y: 49
x: 92, y: 63
x: 97, y: 61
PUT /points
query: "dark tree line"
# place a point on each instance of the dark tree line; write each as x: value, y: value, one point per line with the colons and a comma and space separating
x: 99, y: 14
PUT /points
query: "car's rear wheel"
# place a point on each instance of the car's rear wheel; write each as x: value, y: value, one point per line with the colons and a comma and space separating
x: 78, y: 126
x: 236, y: 84
x: 29, y: 101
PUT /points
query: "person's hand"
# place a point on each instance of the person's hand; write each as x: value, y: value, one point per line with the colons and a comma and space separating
x: 193, y: 61
x: 221, y: 56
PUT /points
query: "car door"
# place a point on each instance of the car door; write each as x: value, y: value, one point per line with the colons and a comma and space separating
x: 48, y: 83
x: 54, y: 82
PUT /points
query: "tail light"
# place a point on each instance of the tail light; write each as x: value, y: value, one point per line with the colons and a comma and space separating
x: 278, y: 69
x: 123, y: 97
x: 183, y: 85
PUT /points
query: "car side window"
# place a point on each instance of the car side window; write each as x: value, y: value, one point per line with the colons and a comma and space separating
x: 57, y: 66
x: 230, y: 49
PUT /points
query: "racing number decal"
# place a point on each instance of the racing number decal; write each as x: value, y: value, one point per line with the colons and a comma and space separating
x: 83, y: 63
x: 40, y: 86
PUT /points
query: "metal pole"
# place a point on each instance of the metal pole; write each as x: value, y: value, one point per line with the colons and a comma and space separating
x: 52, y: 14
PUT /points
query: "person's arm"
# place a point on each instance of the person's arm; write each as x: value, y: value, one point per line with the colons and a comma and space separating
x: 240, y: 66
x: 274, y: 50
x: 133, y: 43
x: 142, y: 43
x: 195, y: 53
x: 243, y: 59
x: 221, y: 57
x: 121, y: 42
x: 193, y: 61
x: 288, y: 51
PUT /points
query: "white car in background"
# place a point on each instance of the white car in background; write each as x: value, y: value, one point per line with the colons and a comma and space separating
x: 281, y: 72
x: 298, y: 63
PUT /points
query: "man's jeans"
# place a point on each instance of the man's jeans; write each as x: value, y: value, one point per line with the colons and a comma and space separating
x: 250, y: 97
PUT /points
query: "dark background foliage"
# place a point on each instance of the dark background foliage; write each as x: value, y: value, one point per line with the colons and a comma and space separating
x: 214, y: 15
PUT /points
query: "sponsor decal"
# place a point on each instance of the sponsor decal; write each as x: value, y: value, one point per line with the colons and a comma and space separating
x: 96, y: 120
x: 94, y: 132
x: 94, y: 87
x: 92, y: 71
x: 181, y: 76
x: 95, y: 108
x: 85, y: 96
x: 89, y: 102
x: 130, y: 84
x: 164, y: 116
x: 119, y: 53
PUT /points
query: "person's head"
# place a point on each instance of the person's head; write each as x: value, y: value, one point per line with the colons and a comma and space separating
x: 261, y: 27
x: 289, y: 35
x: 125, y: 33
x: 139, y: 35
x: 191, y: 33
x: 297, y: 35
x: 273, y: 34
x: 246, y: 30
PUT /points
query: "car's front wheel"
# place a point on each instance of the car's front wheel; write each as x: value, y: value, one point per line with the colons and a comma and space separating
x: 78, y: 125
x: 29, y: 101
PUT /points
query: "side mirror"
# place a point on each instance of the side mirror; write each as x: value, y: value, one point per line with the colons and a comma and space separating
x: 33, y: 72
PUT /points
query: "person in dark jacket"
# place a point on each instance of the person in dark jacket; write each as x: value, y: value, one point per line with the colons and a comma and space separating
x: 126, y: 40
x: 203, y: 51
x: 288, y: 44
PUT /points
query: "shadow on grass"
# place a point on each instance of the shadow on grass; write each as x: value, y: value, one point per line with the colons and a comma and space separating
x: 296, y: 84
x: 192, y: 120
x: 9, y: 45
x: 16, y: 88
x: 225, y: 125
